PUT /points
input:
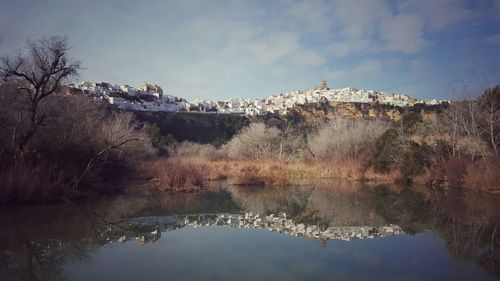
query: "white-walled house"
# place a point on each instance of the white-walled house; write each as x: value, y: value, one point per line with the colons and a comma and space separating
x: 150, y: 97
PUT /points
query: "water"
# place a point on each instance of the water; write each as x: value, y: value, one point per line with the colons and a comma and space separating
x: 242, y: 233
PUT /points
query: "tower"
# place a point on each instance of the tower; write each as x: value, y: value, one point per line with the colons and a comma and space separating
x: 324, y: 85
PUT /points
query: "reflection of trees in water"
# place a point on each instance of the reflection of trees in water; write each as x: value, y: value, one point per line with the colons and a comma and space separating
x: 37, y: 242
x: 348, y: 207
x: 467, y: 222
x: 215, y: 201
x: 324, y: 206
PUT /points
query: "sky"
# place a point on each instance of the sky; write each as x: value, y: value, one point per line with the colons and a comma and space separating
x: 221, y: 49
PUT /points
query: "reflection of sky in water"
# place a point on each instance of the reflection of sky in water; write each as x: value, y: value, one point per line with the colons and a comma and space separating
x: 215, y: 253
x: 72, y: 242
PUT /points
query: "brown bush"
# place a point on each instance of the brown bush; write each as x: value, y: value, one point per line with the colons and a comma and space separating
x: 426, y: 178
x: 455, y: 169
x: 256, y: 141
x: 266, y: 173
x: 269, y: 173
x: 84, y: 141
x: 176, y: 175
x: 346, y: 138
x: 483, y: 176
x: 27, y: 183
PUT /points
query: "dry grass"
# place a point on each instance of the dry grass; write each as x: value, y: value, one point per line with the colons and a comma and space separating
x: 187, y: 174
x: 425, y: 179
x: 267, y: 173
x: 483, y: 176
x: 176, y: 175
x: 455, y: 170
x: 394, y: 176
x: 25, y: 183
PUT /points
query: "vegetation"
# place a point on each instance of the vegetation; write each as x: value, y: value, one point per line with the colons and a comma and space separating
x: 176, y: 175
x: 55, y: 147
x: 195, y: 127
x: 455, y: 146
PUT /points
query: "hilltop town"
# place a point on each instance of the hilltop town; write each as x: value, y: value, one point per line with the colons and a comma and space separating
x: 151, y: 97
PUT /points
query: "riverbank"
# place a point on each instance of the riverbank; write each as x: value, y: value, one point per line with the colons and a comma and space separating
x: 189, y: 174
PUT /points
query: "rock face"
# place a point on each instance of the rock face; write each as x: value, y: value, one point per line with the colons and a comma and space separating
x: 313, y: 113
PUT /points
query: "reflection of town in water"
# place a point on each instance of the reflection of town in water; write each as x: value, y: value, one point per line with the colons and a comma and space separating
x: 152, y: 227
x: 36, y: 243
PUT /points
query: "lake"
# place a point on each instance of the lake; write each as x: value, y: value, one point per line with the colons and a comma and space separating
x: 339, y: 232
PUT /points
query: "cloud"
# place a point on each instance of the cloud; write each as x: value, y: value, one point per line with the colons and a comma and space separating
x: 315, y: 14
x: 368, y: 67
x: 367, y: 26
x: 223, y: 48
x: 335, y: 75
x: 360, y: 17
x: 352, y: 47
x: 493, y: 39
x: 307, y: 58
x: 403, y: 33
x: 437, y: 14
x: 417, y: 64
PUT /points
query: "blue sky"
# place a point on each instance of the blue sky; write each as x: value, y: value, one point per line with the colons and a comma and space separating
x: 238, y: 48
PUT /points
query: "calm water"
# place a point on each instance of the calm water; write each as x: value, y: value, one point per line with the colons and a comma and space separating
x: 241, y: 233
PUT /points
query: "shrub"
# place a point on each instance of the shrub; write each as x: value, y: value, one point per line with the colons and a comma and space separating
x: 27, y: 183
x: 414, y: 160
x: 348, y: 138
x: 483, y: 176
x: 255, y: 142
x: 176, y: 175
x: 83, y: 143
x: 263, y: 173
x: 383, y: 161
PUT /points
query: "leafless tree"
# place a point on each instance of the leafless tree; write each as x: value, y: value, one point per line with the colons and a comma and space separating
x: 489, y: 104
x: 116, y: 136
x: 255, y: 142
x: 346, y: 137
x: 38, y: 72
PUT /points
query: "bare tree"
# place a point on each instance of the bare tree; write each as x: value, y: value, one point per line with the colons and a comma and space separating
x: 255, y: 142
x: 116, y: 136
x: 346, y: 137
x: 38, y: 71
x: 489, y: 103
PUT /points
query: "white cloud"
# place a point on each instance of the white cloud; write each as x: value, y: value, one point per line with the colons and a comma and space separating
x: 351, y: 46
x: 368, y: 67
x: 437, y: 14
x: 403, y: 33
x: 202, y: 49
x: 359, y: 17
x: 307, y: 58
x: 315, y: 14
x: 334, y: 75
x: 366, y: 26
